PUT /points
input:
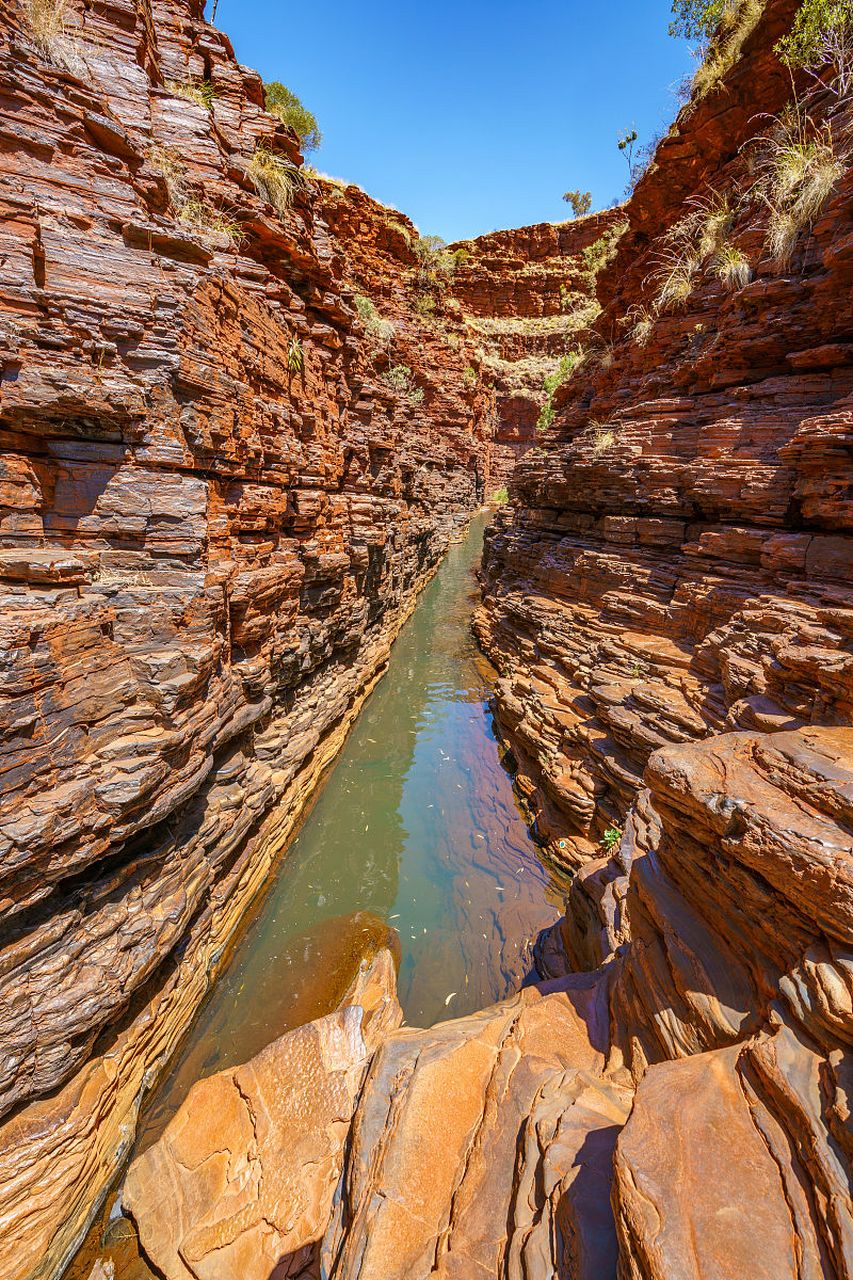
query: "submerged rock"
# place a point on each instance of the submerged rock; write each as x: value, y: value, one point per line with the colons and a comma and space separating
x: 240, y: 1185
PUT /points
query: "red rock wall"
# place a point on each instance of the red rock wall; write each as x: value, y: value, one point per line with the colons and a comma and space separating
x: 207, y: 545
x: 668, y: 599
x: 520, y: 296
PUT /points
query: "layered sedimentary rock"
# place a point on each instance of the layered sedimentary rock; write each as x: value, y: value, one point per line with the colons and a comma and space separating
x: 525, y: 297
x: 215, y: 512
x: 678, y: 559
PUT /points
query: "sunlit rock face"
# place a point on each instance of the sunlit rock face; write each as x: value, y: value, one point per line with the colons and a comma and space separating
x: 253, y: 1157
x: 215, y: 512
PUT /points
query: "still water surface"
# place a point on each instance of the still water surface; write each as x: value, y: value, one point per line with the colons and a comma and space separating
x: 415, y: 828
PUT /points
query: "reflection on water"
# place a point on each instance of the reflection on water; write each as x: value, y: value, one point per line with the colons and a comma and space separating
x: 416, y: 828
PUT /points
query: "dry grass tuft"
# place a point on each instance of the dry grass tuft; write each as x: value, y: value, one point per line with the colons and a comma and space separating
x: 209, y: 223
x: 799, y: 168
x: 739, y: 22
x: 201, y: 92
x: 47, y: 19
x: 731, y: 266
x: 274, y: 178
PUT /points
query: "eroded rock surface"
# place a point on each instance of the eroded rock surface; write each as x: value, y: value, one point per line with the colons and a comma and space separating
x: 240, y: 1185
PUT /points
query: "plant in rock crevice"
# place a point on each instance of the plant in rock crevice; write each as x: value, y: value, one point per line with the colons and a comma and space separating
x: 400, y: 379
x: 49, y: 26
x: 821, y: 38
x: 201, y: 92
x: 379, y: 330
x: 287, y: 107
x: 799, y: 167
x: 274, y: 178
x: 611, y: 839
x: 295, y: 356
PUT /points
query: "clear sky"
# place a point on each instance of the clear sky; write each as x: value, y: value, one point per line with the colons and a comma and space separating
x: 469, y: 115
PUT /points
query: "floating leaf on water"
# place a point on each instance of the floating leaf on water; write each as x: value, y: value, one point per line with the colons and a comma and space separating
x: 449, y: 998
x: 396, y: 916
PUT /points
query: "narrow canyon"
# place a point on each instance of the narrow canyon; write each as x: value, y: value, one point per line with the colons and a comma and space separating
x: 252, y: 426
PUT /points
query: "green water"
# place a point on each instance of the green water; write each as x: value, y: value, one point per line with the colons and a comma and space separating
x: 415, y: 825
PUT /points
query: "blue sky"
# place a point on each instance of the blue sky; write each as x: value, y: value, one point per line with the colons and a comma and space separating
x: 470, y: 115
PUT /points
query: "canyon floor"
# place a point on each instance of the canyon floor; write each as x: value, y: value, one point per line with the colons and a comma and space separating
x: 252, y: 428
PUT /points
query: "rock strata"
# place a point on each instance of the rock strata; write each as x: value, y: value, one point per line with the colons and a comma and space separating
x: 216, y: 510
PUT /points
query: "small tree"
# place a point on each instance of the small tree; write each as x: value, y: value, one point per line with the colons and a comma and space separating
x: 698, y: 19
x: 822, y: 36
x: 580, y: 201
x: 283, y: 103
x: 626, y: 146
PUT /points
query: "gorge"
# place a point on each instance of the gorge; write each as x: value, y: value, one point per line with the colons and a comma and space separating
x: 245, y: 412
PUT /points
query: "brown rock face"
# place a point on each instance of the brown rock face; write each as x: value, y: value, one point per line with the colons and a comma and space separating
x: 241, y: 1183
x: 215, y: 513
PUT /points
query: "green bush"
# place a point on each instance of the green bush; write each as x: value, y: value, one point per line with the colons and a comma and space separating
x: 435, y: 261
x: 580, y: 201
x: 699, y: 19
x: 283, y: 103
x: 399, y: 378
x: 378, y: 329
x: 500, y: 497
x: 611, y: 838
x: 822, y: 35
x: 546, y: 416
x: 602, y: 251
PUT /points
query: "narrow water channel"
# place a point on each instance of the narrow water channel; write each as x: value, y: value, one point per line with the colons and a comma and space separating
x: 415, y: 830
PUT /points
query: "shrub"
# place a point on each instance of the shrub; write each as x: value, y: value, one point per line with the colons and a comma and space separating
x: 611, y: 838
x: 200, y: 92
x: 822, y: 36
x: 273, y: 177
x: 399, y: 378
x: 469, y: 376
x: 602, y: 251
x: 699, y: 19
x: 580, y: 202
x: 425, y: 305
x: 435, y: 261
x: 379, y: 330
x: 500, y: 497
x: 625, y: 143
x: 546, y: 416
x: 731, y: 266
x: 286, y: 106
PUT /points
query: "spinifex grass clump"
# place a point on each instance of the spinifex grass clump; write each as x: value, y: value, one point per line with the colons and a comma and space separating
x: 47, y: 19
x: 201, y: 92
x: 799, y: 170
x: 210, y: 223
x: 274, y: 178
x: 731, y: 267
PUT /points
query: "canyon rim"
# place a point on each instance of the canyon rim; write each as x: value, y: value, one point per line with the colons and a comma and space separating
x: 244, y: 411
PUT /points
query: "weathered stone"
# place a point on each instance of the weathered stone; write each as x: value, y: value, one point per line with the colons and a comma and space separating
x: 240, y: 1185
